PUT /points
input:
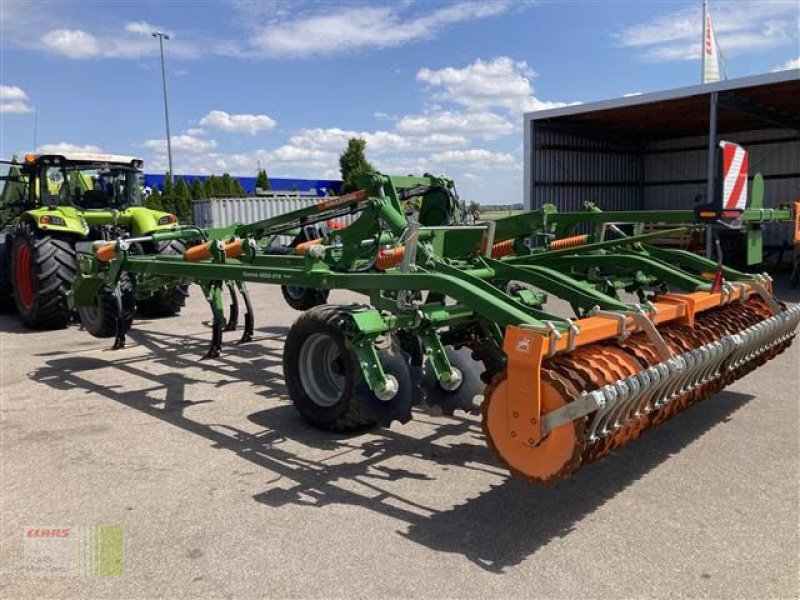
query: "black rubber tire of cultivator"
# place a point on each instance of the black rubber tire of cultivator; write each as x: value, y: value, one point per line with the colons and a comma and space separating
x: 42, y: 271
x: 354, y: 407
x: 6, y: 287
x: 169, y: 302
x: 100, y: 319
x: 303, y: 298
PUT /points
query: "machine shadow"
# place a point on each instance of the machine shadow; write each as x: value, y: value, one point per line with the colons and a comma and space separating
x: 501, y: 527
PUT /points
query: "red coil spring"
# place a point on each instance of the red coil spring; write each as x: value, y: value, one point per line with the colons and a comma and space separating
x: 389, y: 258
x: 503, y: 248
x: 569, y: 242
x: 333, y: 224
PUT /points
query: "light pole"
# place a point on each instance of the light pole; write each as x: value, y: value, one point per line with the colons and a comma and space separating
x: 161, y: 37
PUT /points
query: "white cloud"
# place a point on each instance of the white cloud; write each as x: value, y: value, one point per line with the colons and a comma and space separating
x: 296, y: 154
x: 498, y: 83
x: 181, y: 143
x: 273, y: 29
x: 67, y: 148
x: 353, y: 29
x: 126, y: 43
x: 738, y: 27
x: 243, y: 123
x: 14, y: 100
x: 792, y: 63
x: 72, y: 43
x: 144, y: 28
x: 334, y: 139
x: 478, y: 158
x: 484, y: 125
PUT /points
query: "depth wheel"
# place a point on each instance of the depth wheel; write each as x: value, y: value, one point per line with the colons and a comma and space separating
x: 100, y: 319
x: 42, y: 271
x: 166, y: 302
x: 303, y: 298
x: 324, y: 378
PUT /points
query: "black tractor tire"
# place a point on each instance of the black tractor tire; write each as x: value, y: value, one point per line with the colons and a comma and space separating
x: 169, y: 302
x: 100, y: 319
x: 42, y: 271
x: 304, y: 298
x: 6, y: 287
x: 324, y: 378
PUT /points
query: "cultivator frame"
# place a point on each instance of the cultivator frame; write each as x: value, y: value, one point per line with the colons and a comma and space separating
x: 654, y: 330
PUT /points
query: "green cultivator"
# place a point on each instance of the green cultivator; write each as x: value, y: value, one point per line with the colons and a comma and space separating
x: 458, y: 312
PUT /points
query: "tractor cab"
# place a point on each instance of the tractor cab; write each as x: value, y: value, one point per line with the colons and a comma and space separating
x: 84, y: 181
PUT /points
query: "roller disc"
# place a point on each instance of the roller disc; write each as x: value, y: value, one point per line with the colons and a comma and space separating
x: 385, y: 412
x: 463, y: 396
x: 556, y: 456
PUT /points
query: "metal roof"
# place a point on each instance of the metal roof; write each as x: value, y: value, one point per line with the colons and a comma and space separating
x: 757, y: 102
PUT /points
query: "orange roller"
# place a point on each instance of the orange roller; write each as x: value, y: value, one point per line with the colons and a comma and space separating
x: 557, y: 453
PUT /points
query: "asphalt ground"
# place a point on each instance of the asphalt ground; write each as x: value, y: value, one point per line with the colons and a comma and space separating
x: 222, y: 489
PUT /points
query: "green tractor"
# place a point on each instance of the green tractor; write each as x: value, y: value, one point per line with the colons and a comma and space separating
x: 52, y: 203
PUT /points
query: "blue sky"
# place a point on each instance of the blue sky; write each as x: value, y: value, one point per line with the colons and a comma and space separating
x: 431, y: 85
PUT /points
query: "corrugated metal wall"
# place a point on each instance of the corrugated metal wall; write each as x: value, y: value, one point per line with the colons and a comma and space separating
x: 571, y: 167
x: 675, y: 171
x: 221, y: 212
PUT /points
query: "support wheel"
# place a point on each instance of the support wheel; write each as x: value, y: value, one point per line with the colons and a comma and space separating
x: 100, y: 319
x: 303, y: 298
x: 165, y: 302
x: 324, y: 377
x: 461, y: 394
x: 42, y: 271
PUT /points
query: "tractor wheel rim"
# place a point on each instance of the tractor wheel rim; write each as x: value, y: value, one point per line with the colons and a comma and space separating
x: 319, y: 367
x: 24, y: 275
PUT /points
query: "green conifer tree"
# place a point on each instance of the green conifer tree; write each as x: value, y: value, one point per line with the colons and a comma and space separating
x: 183, y: 199
x: 262, y: 181
x: 353, y: 162
x: 153, y: 201
x: 198, y: 189
x: 168, y: 195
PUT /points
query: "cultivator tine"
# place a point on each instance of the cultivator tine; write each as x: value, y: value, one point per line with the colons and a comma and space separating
x: 119, y: 336
x: 214, y: 296
x: 233, y: 316
x: 249, y: 320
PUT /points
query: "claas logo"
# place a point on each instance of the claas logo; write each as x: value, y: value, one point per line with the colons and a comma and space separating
x: 47, y: 532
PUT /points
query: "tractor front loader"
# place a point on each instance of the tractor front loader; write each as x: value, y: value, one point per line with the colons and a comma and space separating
x: 50, y: 203
x: 458, y: 314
